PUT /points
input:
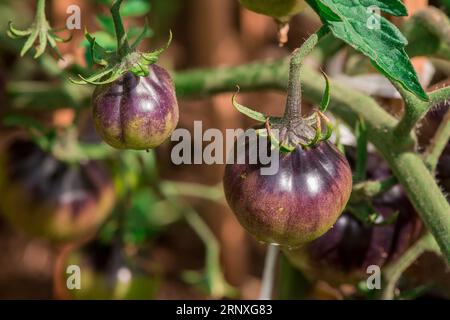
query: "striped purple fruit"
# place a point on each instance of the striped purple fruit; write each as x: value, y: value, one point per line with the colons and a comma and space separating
x: 297, y: 204
x: 136, y: 112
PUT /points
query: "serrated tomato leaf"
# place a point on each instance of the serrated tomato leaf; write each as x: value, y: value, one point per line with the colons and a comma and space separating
x: 358, y: 23
x: 393, y: 7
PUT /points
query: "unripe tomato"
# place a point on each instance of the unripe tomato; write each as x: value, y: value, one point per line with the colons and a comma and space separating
x: 49, y: 198
x: 281, y: 10
x: 136, y: 112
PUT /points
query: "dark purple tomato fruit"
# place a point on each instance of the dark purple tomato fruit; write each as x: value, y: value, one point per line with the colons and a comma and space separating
x: 46, y: 197
x: 350, y: 246
x: 136, y: 112
x: 298, y: 203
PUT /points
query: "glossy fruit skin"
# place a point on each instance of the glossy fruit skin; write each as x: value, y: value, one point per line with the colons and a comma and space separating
x: 136, y: 112
x: 278, y: 9
x: 51, y: 199
x: 297, y: 204
x: 343, y: 254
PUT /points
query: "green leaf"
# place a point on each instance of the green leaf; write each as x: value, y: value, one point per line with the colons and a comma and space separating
x: 104, y: 39
x: 135, y: 8
x: 106, y: 23
x: 146, y: 32
x: 326, y: 95
x: 255, y: 115
x: 24, y: 122
x: 446, y: 4
x: 353, y: 22
x: 393, y: 7
x: 136, y: 31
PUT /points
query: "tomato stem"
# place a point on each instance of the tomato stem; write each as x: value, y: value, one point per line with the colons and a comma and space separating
x: 123, y: 47
x: 414, y: 111
x: 292, y: 112
x: 40, y: 14
x: 369, y: 189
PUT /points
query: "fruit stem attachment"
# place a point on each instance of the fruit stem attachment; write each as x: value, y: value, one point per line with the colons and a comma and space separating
x: 269, y: 272
x: 293, y: 108
x: 123, y: 47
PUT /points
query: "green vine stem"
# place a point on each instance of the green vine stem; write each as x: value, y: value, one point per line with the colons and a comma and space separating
x: 393, y: 271
x: 415, y: 109
x: 361, y: 152
x: 216, y: 282
x: 369, y: 189
x: 349, y: 105
x: 196, y: 190
x: 438, y: 143
x: 439, y: 96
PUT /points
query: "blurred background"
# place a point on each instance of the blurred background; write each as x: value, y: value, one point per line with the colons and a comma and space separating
x: 146, y: 228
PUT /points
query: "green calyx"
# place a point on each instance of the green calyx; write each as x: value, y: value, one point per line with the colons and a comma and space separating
x: 126, y: 58
x: 40, y: 31
x: 287, y: 133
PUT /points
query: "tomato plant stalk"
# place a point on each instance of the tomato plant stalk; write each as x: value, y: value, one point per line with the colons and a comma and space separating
x: 269, y: 272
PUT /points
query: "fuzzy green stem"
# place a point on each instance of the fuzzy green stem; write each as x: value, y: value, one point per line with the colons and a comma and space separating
x: 438, y: 143
x: 293, y: 108
x: 361, y: 152
x: 187, y: 189
x: 414, y: 111
x: 439, y: 96
x: 123, y: 46
x: 213, y: 270
x: 370, y: 189
x: 393, y: 271
x: 40, y: 13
